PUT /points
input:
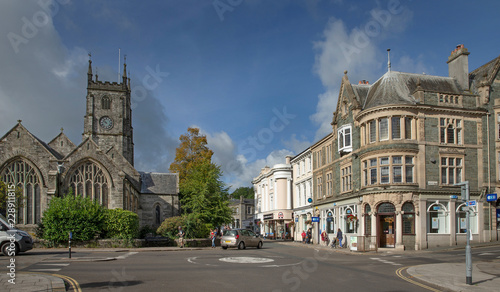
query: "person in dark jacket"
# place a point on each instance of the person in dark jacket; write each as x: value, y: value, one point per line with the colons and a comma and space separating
x: 339, y: 237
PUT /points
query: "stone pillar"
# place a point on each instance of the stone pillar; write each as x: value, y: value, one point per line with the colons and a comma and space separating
x: 453, y: 222
x: 289, y: 194
x: 373, y: 240
x: 421, y: 225
x: 399, y: 231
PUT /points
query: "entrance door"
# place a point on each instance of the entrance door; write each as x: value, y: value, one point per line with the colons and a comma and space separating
x: 387, y: 237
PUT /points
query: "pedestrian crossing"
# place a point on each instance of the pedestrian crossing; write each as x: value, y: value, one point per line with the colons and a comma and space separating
x: 48, y: 267
x: 387, y: 261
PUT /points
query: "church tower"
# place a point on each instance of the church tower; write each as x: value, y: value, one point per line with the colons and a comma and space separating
x: 108, y: 119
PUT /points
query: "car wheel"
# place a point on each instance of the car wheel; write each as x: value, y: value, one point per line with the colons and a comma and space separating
x: 224, y: 247
x: 259, y: 245
x: 6, y: 251
x: 241, y: 245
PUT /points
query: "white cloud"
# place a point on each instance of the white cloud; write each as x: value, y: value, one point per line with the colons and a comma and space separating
x: 355, y: 50
x: 297, y: 145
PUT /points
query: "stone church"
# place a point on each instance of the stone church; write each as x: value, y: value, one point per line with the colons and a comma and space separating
x: 101, y: 167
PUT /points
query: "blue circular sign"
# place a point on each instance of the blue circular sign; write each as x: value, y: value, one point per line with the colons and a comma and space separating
x: 310, y: 200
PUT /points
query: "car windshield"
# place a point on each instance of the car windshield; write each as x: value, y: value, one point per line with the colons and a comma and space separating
x: 230, y: 233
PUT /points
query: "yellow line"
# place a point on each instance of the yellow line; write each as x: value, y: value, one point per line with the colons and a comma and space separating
x: 400, y: 274
x: 74, y: 284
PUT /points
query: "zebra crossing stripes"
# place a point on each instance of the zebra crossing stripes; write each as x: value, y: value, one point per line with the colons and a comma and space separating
x: 386, y: 261
x: 49, y: 267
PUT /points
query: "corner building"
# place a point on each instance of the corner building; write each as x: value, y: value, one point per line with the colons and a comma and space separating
x: 387, y: 172
x: 101, y: 167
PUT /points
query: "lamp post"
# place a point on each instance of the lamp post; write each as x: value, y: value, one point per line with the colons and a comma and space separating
x: 468, y: 256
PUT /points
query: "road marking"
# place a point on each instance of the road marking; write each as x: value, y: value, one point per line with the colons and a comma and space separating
x: 486, y: 253
x: 74, y: 284
x: 126, y: 255
x: 278, y: 266
x: 45, y: 270
x: 386, y: 261
x: 55, y: 265
x: 399, y: 273
x: 246, y: 260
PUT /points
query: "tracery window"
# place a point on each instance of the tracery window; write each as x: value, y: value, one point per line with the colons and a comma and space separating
x: 106, y: 102
x: 24, y: 176
x: 88, y: 180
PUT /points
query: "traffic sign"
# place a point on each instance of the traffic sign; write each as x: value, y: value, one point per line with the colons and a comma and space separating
x: 314, y: 219
x: 491, y: 197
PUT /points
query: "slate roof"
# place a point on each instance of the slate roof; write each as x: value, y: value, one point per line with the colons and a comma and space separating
x: 397, y: 88
x: 485, y: 73
x: 158, y: 183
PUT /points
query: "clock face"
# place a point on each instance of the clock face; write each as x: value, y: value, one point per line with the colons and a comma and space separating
x: 106, y: 123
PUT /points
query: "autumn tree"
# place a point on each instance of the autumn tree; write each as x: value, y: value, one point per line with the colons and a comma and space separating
x: 246, y: 192
x: 191, y: 152
x: 204, y: 197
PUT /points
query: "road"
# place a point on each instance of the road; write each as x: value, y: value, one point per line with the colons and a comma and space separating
x: 276, y: 267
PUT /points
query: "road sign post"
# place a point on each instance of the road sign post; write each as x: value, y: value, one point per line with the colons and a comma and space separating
x: 468, y: 255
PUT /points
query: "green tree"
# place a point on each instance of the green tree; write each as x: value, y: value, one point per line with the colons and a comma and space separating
x: 82, y: 216
x: 4, y: 198
x: 205, y: 197
x: 246, y: 192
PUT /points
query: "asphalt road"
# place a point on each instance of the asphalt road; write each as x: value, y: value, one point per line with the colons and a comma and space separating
x: 276, y: 267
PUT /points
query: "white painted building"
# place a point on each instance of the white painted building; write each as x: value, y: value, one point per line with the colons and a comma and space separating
x: 302, y: 192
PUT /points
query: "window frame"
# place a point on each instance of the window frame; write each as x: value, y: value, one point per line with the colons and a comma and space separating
x: 448, y: 167
x: 344, y: 133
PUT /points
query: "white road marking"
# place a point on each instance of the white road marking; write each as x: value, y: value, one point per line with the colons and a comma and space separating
x: 386, y: 261
x: 55, y: 265
x: 246, y: 260
x: 45, y: 270
x: 486, y: 253
x: 126, y: 255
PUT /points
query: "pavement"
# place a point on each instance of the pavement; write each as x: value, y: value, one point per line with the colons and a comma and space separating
x: 444, y: 276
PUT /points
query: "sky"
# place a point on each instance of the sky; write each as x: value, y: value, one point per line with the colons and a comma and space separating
x: 259, y: 78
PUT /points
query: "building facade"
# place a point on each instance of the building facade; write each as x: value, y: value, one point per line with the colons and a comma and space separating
x: 302, y: 171
x: 243, y: 213
x: 273, y: 197
x: 101, y: 167
x: 398, y: 148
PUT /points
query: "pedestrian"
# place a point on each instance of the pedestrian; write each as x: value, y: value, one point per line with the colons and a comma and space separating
x: 309, y: 236
x: 324, y: 238
x: 339, y: 237
x: 181, y: 237
x: 303, y: 236
x: 213, y: 235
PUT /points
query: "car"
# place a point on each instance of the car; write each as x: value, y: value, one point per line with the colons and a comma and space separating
x: 12, y: 240
x: 240, y: 238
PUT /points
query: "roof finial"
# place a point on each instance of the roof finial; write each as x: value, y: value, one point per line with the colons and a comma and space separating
x: 89, y: 73
x: 389, y: 60
x: 62, y: 129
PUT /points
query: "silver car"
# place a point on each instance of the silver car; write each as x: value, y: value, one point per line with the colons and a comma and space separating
x: 240, y: 238
x: 12, y: 240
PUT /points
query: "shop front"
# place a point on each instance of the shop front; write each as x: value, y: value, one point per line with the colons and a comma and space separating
x: 278, y: 224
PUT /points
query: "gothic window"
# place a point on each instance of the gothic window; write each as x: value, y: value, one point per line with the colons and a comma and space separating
x: 88, y: 180
x: 24, y: 176
x: 157, y: 215
x: 106, y: 102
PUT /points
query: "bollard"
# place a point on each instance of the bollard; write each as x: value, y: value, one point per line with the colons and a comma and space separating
x: 69, y: 245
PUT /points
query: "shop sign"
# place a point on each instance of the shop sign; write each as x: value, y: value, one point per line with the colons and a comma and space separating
x: 329, y: 219
x: 268, y: 216
x: 296, y: 219
x: 280, y: 215
x: 491, y: 197
x: 472, y: 203
x: 310, y: 200
x: 314, y: 219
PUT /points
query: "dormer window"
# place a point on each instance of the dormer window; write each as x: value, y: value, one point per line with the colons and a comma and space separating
x: 345, y: 138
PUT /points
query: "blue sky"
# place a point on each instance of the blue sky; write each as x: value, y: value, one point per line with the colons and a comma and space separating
x: 259, y: 78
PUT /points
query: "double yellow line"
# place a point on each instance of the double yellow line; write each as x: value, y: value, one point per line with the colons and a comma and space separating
x: 399, y: 272
x: 72, y: 282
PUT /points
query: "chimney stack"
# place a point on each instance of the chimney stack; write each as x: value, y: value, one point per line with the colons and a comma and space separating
x: 458, y: 66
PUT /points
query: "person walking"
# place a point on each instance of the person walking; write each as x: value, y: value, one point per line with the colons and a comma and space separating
x: 309, y: 236
x: 213, y: 235
x: 339, y: 237
x: 324, y: 238
x: 181, y: 237
x: 303, y: 236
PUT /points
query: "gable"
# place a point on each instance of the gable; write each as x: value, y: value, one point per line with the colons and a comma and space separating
x: 62, y: 144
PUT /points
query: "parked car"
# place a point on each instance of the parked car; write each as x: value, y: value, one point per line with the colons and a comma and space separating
x: 12, y: 240
x: 240, y: 238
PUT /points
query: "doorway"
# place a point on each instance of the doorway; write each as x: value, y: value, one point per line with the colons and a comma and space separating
x: 386, y: 225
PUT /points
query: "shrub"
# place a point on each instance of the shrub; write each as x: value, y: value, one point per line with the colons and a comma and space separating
x: 146, y: 231
x: 192, y: 225
x: 121, y: 224
x: 168, y: 227
x: 82, y: 216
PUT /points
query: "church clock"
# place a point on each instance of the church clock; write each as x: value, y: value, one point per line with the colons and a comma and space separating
x: 106, y: 123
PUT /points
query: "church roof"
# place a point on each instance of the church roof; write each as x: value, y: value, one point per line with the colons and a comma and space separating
x: 159, y: 183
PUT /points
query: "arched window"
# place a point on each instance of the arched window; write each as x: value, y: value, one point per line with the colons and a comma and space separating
x: 330, y: 221
x: 25, y: 176
x: 437, y: 217
x: 157, y: 215
x: 408, y: 218
x: 461, y: 215
x: 88, y: 180
x: 106, y: 102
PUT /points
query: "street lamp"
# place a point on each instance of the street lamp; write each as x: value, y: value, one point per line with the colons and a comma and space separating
x: 464, y: 190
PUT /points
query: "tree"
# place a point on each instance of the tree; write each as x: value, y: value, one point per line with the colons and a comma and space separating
x: 4, y: 198
x: 191, y: 152
x: 246, y: 192
x: 205, y: 196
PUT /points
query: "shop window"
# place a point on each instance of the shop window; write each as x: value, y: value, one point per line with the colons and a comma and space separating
x: 408, y: 218
x: 461, y: 216
x: 330, y: 222
x: 437, y: 217
x: 348, y: 215
x: 368, y: 220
